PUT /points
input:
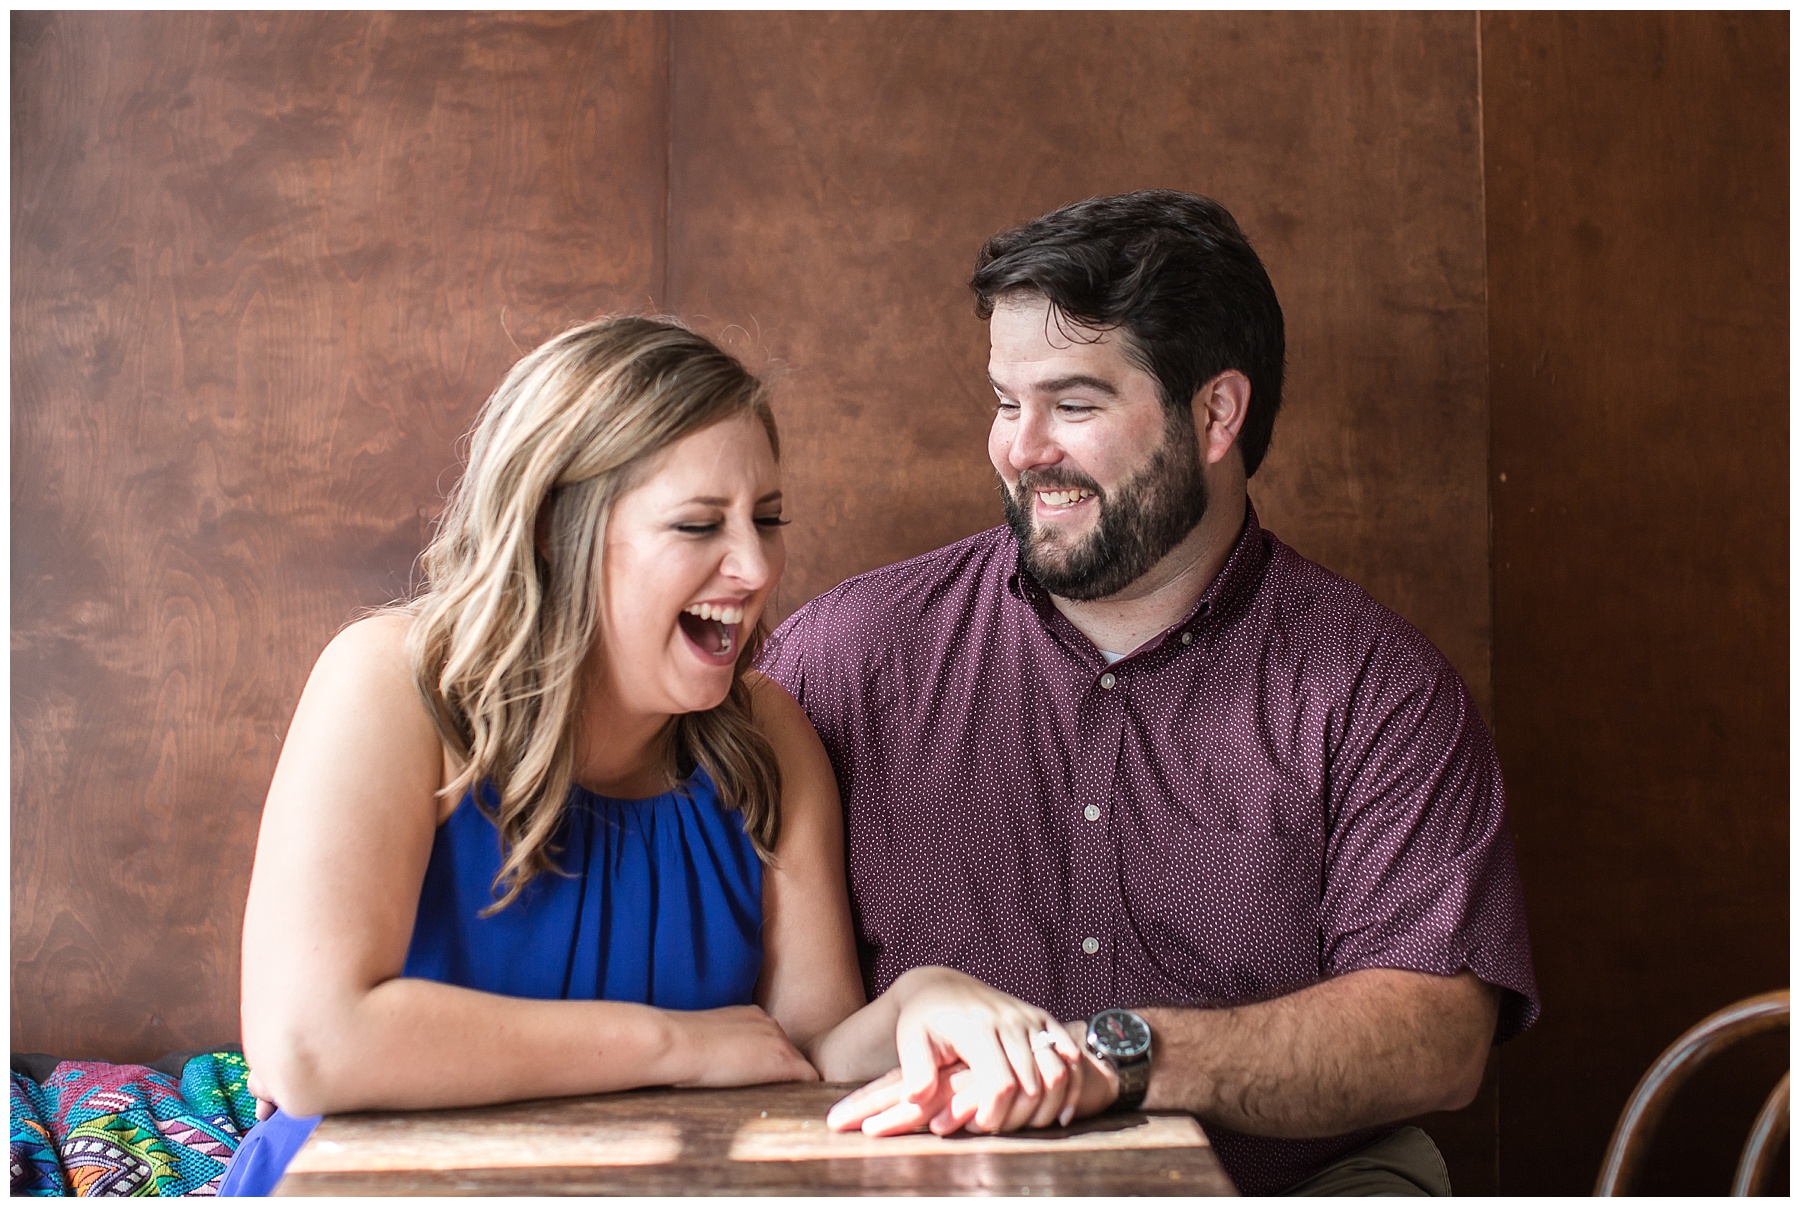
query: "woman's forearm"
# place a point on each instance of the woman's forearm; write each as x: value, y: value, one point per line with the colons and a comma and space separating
x: 411, y: 1044
x: 415, y: 1044
x: 860, y: 1047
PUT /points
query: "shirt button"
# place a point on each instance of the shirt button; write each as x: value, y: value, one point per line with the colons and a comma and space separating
x: 1107, y: 680
x: 1090, y: 945
x: 1187, y: 639
x: 1092, y: 812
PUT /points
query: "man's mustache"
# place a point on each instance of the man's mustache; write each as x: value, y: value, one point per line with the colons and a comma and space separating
x: 1055, y: 479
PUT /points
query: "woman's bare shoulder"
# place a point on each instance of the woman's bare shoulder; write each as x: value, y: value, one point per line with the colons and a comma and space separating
x: 361, y: 714
x: 365, y: 671
x: 777, y: 714
x: 380, y: 635
x: 367, y: 655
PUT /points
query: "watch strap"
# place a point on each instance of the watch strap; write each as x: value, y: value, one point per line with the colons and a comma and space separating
x: 1134, y: 1082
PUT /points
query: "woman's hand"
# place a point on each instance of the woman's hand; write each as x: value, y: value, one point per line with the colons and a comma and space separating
x: 970, y: 1056
x: 880, y: 1108
x: 736, y: 1045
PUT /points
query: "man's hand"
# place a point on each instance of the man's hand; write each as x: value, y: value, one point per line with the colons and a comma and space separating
x: 1359, y: 1050
x: 970, y: 1057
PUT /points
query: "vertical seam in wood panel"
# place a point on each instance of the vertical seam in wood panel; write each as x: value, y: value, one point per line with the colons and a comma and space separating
x: 668, y: 181
x: 1493, y: 502
x: 1487, y: 357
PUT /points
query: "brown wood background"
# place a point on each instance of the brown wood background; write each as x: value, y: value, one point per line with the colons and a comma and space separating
x: 265, y: 268
x: 832, y: 177
x: 1637, y: 254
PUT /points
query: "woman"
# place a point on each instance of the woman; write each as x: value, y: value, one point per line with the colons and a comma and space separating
x: 541, y: 831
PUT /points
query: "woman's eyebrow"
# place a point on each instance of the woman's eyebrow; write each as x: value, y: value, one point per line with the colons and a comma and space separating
x: 773, y: 496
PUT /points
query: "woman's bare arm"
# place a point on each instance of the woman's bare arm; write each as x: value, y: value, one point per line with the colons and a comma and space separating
x: 329, y: 1024
x: 810, y: 980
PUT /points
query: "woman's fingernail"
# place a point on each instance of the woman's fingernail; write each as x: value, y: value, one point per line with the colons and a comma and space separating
x: 1068, y: 1113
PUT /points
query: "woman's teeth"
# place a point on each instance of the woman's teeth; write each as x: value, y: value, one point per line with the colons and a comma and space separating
x: 1063, y: 498
x: 723, y: 613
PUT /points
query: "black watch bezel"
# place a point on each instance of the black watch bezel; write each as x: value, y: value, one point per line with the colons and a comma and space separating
x: 1132, y: 1066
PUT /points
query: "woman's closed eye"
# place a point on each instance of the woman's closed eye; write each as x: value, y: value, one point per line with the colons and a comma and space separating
x: 708, y: 528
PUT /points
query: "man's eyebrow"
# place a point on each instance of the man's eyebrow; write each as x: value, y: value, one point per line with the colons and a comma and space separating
x: 1075, y: 381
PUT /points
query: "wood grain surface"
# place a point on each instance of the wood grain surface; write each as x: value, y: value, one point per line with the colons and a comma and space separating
x: 265, y: 268
x: 1638, y: 258
x: 759, y: 1140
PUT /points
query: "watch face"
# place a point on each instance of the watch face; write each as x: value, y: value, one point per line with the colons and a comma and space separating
x: 1121, y: 1033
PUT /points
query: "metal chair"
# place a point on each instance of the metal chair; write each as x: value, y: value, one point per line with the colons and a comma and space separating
x: 1644, y: 1111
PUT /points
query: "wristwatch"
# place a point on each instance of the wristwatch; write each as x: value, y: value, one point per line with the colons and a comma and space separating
x: 1122, y: 1039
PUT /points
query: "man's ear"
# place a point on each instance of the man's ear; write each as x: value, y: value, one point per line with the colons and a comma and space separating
x: 1219, y: 410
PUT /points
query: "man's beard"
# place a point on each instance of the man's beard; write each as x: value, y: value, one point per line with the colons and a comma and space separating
x: 1139, y: 522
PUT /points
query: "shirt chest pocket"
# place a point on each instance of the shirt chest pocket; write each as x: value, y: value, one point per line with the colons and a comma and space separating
x: 1234, y: 913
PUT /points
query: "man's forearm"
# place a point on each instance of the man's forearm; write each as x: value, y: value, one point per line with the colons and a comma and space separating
x: 1356, y: 1051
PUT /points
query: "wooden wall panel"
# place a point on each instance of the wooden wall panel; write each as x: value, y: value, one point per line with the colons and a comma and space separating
x: 832, y: 177
x: 1638, y: 247
x: 264, y: 270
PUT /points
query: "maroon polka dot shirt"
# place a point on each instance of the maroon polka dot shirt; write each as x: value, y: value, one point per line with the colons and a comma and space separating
x: 1288, y: 785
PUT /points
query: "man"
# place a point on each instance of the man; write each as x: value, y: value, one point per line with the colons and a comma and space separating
x: 1131, y: 751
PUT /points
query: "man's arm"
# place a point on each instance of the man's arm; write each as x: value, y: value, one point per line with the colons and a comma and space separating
x: 1359, y: 1050
x: 1366, y: 1048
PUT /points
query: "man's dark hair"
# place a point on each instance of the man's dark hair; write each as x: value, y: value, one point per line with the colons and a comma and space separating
x: 1170, y: 269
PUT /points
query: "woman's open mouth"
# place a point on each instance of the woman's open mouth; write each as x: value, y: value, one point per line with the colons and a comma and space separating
x: 712, y: 629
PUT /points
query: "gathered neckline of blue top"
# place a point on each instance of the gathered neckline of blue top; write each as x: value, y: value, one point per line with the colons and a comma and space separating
x: 683, y: 789
x: 694, y: 786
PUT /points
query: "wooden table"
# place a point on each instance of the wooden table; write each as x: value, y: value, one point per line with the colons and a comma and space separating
x: 753, y: 1141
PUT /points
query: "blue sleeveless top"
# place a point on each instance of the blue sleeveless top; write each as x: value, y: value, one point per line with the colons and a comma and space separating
x: 658, y: 901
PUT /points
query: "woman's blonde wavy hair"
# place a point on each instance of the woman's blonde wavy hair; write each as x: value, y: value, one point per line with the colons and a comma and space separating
x: 510, y: 606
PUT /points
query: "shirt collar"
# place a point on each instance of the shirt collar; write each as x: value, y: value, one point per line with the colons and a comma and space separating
x: 1238, y: 576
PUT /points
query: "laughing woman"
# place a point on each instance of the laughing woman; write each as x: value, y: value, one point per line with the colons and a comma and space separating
x: 541, y: 831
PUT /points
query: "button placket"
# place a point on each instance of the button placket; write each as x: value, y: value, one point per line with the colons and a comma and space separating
x: 1096, y: 905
